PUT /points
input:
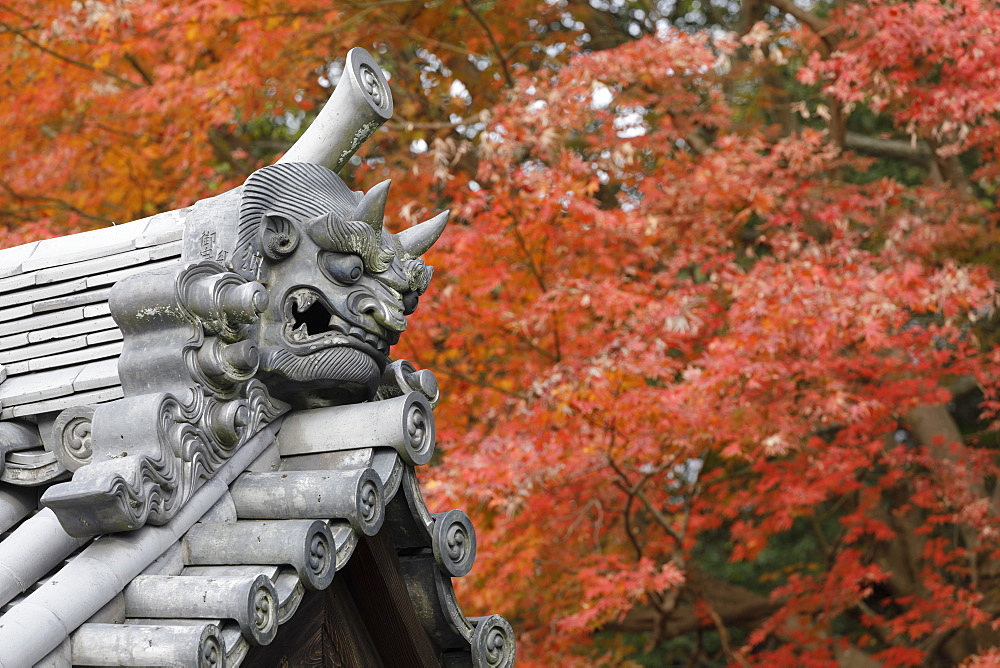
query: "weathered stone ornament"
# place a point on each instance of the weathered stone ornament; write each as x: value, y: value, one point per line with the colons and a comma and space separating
x: 144, y: 368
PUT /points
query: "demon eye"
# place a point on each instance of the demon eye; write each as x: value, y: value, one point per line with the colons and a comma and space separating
x: 343, y: 268
x: 410, y: 300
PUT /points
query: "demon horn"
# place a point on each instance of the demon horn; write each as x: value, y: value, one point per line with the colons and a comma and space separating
x: 360, y: 103
x: 419, y: 238
x: 371, y: 208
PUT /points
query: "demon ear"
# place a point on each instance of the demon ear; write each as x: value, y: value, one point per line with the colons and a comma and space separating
x: 278, y: 236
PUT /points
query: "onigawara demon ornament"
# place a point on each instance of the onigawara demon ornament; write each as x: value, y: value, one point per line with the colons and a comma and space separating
x: 339, y: 285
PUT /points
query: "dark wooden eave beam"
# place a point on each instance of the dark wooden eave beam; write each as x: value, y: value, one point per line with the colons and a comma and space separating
x: 377, y: 587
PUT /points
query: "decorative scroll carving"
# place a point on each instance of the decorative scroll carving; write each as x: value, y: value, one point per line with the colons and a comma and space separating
x: 187, y: 369
x: 492, y: 643
x: 123, y: 489
x: 372, y: 84
x: 74, y: 445
x: 401, y: 378
x: 319, y: 562
x: 370, y: 505
x: 212, y: 651
x: 454, y: 542
x: 260, y: 622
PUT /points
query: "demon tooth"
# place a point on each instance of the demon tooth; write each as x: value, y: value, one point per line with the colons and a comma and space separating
x: 304, y: 299
x: 339, y: 324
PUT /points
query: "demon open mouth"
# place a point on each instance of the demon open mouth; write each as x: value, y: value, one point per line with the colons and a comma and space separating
x: 310, y: 322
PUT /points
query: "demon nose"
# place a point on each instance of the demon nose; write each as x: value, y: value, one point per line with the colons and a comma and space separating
x: 387, y: 315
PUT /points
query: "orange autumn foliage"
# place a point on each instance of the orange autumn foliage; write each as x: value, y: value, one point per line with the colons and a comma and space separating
x: 698, y: 353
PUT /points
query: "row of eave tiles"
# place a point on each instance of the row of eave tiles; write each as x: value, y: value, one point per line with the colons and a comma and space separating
x: 98, y: 642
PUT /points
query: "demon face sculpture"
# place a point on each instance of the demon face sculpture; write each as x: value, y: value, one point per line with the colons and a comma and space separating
x: 339, y: 285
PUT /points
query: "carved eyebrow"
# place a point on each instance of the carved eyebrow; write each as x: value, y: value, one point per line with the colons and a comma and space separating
x: 333, y: 233
x: 418, y: 275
